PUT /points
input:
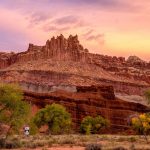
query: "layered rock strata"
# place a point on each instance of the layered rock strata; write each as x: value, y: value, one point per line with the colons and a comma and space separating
x: 66, y: 61
x: 90, y: 100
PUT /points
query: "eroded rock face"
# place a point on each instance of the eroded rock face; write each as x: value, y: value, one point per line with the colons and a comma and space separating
x: 65, y: 61
x: 58, y: 48
x: 6, y: 59
x: 90, y: 100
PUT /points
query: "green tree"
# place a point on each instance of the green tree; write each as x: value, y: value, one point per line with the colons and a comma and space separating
x: 147, y: 95
x: 55, y: 116
x: 93, y: 125
x: 33, y: 127
x: 13, y: 110
x: 86, y: 125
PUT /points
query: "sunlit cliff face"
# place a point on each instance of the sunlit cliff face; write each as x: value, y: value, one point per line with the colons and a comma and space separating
x: 111, y: 27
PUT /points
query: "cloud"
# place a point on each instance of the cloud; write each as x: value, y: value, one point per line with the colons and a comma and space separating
x: 91, y: 35
x: 88, y: 33
x: 37, y: 17
x: 66, y: 20
x: 115, y: 5
x: 65, y: 5
x: 64, y: 23
x: 95, y: 37
x: 49, y: 28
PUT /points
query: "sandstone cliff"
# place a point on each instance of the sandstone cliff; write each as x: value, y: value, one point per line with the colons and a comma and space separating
x: 66, y: 61
x: 90, y: 100
x: 62, y: 71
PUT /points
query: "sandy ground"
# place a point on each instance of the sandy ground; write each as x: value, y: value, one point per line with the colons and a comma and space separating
x: 58, y: 148
x: 67, y: 148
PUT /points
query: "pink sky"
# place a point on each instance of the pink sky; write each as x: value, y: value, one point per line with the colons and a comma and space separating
x: 111, y: 27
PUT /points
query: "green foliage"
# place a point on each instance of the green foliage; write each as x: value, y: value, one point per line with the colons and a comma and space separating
x: 55, y: 116
x: 33, y: 127
x: 86, y: 125
x: 9, y: 95
x: 13, y: 111
x: 93, y: 125
x: 147, y: 95
x: 141, y: 123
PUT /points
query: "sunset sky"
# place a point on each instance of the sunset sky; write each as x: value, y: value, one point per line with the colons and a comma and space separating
x: 111, y: 27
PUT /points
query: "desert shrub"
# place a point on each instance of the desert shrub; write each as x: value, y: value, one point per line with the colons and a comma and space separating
x: 132, y: 139
x: 122, y: 139
x: 56, y: 117
x: 68, y: 141
x: 93, y: 125
x: 93, y: 147
x: 10, y: 144
x: 132, y: 147
x: 119, y: 148
x: 35, y: 143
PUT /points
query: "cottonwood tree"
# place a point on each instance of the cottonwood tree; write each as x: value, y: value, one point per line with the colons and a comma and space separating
x: 93, y: 125
x: 14, y: 111
x: 55, y: 117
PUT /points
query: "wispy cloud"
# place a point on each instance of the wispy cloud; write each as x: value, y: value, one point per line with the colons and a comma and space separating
x: 37, y: 17
x: 91, y: 35
x: 64, y: 23
x: 66, y: 20
x: 53, y: 28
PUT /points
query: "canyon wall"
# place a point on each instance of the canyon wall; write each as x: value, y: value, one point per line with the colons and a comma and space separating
x: 90, y: 100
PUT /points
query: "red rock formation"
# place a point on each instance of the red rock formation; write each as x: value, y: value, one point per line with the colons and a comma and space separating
x: 6, y: 59
x: 67, y: 59
x: 93, y: 100
x: 63, y: 64
x: 57, y: 48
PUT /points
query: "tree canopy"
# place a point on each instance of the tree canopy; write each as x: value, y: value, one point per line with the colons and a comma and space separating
x: 93, y: 125
x: 141, y: 123
x: 13, y: 110
x: 55, y: 116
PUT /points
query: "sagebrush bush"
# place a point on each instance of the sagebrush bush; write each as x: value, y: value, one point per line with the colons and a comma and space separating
x: 119, y: 148
x: 10, y: 144
x: 93, y: 147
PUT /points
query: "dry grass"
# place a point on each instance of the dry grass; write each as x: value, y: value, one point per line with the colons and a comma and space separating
x: 108, y: 142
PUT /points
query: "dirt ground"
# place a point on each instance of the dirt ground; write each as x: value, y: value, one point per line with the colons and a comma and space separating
x: 62, y: 148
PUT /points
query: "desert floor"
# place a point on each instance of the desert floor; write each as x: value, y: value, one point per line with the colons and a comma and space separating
x: 79, y: 142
